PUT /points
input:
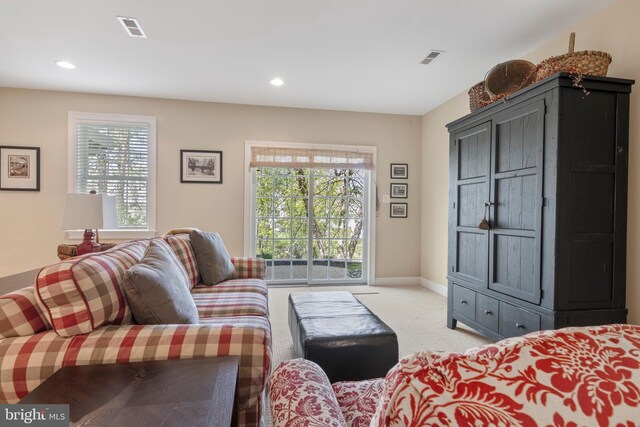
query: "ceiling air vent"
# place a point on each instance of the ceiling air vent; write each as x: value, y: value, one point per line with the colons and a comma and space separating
x: 431, y: 56
x: 132, y: 26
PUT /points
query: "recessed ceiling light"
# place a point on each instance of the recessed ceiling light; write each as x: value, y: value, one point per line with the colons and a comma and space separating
x: 277, y: 82
x: 65, y: 64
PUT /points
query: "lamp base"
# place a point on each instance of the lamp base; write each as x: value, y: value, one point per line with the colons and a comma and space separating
x: 88, y: 245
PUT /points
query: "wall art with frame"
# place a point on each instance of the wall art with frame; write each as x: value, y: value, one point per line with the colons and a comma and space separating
x: 399, y: 171
x: 399, y: 191
x: 19, y: 168
x: 201, y: 166
x: 398, y: 210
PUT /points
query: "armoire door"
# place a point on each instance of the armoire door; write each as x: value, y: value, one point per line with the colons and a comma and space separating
x: 470, y: 152
x: 516, y: 201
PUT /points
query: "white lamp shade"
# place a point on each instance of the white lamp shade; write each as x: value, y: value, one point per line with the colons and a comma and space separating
x: 90, y: 211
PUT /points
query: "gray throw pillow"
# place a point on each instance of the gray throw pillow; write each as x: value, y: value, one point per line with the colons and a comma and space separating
x: 157, y: 288
x: 212, y: 257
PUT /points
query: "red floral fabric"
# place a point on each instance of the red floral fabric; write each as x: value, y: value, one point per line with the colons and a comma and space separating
x: 301, y: 395
x: 358, y: 400
x: 570, y: 377
x: 573, y: 377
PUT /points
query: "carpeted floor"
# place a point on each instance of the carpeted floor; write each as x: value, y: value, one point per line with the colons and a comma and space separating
x: 417, y: 315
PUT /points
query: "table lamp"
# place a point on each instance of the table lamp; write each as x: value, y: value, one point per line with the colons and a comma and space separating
x: 89, y: 212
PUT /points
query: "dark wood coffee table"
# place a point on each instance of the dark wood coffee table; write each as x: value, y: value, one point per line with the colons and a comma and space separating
x: 189, y: 392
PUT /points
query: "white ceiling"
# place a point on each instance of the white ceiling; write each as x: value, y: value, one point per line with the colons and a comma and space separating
x: 357, y: 55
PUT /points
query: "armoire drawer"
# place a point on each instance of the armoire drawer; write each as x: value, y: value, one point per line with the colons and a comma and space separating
x: 464, y: 302
x: 515, y: 321
x: 487, y: 310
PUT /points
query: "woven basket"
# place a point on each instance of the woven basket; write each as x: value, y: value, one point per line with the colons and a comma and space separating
x: 478, y: 96
x: 69, y: 251
x: 509, y: 77
x: 587, y: 62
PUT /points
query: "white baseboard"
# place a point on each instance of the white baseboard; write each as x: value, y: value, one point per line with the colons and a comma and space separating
x: 433, y: 286
x: 397, y: 281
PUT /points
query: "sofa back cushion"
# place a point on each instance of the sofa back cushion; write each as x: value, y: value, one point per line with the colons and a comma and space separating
x: 181, y: 245
x: 78, y: 295
x: 20, y: 314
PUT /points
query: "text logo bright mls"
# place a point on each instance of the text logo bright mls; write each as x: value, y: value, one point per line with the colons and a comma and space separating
x: 34, y: 415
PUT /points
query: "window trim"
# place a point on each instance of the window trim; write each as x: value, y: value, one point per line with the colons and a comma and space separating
x: 73, y: 118
x: 249, y: 203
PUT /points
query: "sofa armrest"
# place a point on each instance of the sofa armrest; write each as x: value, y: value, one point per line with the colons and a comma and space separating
x: 300, y: 392
x: 249, y: 268
x: 27, y: 361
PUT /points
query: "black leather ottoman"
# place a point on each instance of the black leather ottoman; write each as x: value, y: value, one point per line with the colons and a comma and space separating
x: 340, y: 334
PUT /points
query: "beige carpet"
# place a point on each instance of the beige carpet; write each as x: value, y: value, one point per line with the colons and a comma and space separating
x: 417, y: 315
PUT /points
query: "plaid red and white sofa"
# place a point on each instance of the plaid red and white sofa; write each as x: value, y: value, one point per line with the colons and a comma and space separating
x: 581, y: 376
x: 77, y: 315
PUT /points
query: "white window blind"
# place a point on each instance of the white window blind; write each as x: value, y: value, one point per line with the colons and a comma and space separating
x: 309, y: 158
x: 114, y: 158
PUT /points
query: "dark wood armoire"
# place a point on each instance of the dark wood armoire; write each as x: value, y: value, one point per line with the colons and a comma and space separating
x: 547, y: 170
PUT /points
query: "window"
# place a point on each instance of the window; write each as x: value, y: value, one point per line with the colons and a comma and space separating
x: 309, y: 213
x: 115, y: 154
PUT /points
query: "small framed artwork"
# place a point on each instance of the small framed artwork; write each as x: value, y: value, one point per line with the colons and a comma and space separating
x: 20, y: 168
x: 201, y: 166
x: 399, y: 191
x: 399, y: 171
x: 398, y: 210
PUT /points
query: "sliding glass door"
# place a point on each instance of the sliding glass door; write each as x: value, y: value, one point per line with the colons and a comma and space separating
x: 311, y: 224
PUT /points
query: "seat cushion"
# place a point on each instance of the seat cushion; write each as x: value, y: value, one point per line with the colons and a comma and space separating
x: 78, y: 295
x: 257, y: 286
x: 231, y: 304
x: 157, y: 288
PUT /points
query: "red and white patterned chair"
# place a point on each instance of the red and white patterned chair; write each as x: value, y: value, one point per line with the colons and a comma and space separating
x: 586, y: 376
x: 77, y: 315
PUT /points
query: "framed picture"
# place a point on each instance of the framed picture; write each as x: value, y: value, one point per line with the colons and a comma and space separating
x: 399, y: 171
x: 201, y: 166
x: 20, y: 168
x: 399, y: 191
x: 398, y: 210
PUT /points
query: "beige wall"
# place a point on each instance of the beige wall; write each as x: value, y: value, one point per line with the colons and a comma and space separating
x: 614, y: 30
x: 31, y: 220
